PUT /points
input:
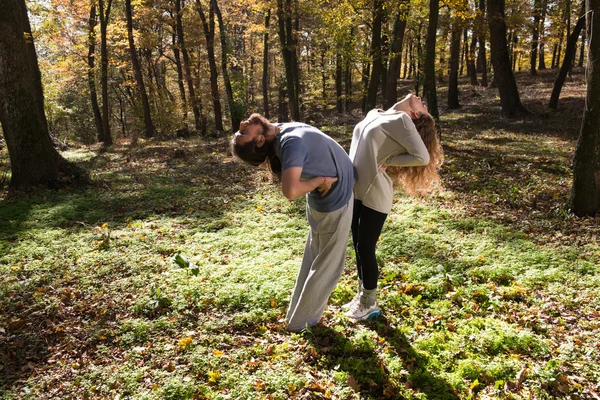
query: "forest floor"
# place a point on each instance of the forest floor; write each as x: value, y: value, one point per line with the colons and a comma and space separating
x: 489, y: 289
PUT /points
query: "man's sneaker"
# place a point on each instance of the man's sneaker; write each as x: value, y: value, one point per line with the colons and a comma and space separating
x: 355, y: 299
x: 360, y: 311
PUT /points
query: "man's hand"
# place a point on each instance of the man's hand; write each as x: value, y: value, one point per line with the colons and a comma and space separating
x: 326, y: 185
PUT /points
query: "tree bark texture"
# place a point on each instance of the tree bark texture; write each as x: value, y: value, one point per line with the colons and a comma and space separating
x: 585, y: 193
x: 236, y: 110
x: 481, y: 55
x: 149, y: 127
x: 454, y: 59
x: 187, y: 67
x: 209, y: 33
x: 104, y: 13
x: 92, y: 22
x: 570, y: 52
x: 376, y: 55
x: 429, y: 89
x: 393, y: 73
x: 503, y: 74
x: 288, y: 51
x: 33, y: 158
x: 265, y: 76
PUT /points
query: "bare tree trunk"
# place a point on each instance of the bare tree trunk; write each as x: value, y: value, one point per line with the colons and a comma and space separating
x: 137, y: 71
x: 585, y: 193
x: 187, y: 67
x: 535, y: 37
x: 236, y: 110
x: 393, y: 73
x: 481, y: 55
x: 288, y: 50
x: 209, y: 34
x: 582, y: 48
x: 507, y: 86
x: 376, y: 55
x: 104, y: 15
x: 454, y: 58
x: 429, y: 89
x: 339, y: 103
x: 542, y: 32
x: 567, y: 61
x: 471, y: 69
x: 180, y: 79
x: 33, y: 158
x: 265, y: 76
x: 92, y: 22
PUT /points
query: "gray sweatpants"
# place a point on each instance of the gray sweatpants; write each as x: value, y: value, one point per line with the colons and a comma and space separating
x: 322, y: 265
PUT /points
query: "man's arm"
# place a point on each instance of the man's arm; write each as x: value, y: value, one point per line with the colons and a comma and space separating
x: 292, y: 187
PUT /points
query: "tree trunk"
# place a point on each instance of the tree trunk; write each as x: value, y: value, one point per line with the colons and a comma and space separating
x: 542, y: 33
x: 507, y: 86
x: 104, y: 15
x: 481, y: 55
x: 92, y: 22
x: 585, y: 193
x: 187, y: 67
x: 567, y: 61
x: 393, y: 73
x: 429, y: 89
x: 339, y: 101
x: 535, y: 37
x: 454, y: 59
x: 209, y: 34
x: 236, y: 111
x: 464, y: 52
x: 582, y: 48
x: 137, y: 71
x: 471, y: 69
x: 33, y: 158
x: 376, y: 55
x: 288, y: 51
x: 180, y: 79
x: 265, y: 76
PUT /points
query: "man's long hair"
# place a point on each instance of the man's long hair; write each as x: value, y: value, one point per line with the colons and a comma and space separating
x: 251, y: 154
x: 423, y: 179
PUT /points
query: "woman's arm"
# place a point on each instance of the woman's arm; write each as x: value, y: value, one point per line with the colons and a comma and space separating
x: 292, y: 187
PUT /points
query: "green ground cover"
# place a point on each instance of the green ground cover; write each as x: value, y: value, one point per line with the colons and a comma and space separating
x: 488, y: 289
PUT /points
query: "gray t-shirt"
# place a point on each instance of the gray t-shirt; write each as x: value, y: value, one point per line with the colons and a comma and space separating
x: 301, y: 145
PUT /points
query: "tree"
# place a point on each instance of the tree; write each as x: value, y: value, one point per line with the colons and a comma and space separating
x: 187, y: 67
x: 209, y: 33
x: 391, y: 91
x: 92, y: 22
x: 135, y: 63
x: 585, y: 193
x: 537, y: 5
x: 454, y: 58
x: 481, y: 53
x: 33, y: 158
x: 503, y: 75
x: 429, y: 89
x: 104, y: 13
x: 376, y: 55
x: 288, y: 50
x: 567, y: 61
x: 265, y: 76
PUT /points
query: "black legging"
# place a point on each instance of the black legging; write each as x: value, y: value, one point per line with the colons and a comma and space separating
x: 366, y: 228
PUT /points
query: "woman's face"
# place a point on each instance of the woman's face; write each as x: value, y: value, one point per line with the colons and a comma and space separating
x: 417, y: 107
x: 247, y: 133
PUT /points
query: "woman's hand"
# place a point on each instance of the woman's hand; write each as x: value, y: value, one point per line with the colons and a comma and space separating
x: 324, y: 187
x: 382, y: 168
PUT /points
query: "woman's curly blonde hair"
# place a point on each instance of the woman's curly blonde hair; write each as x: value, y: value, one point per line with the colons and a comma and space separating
x: 423, y: 179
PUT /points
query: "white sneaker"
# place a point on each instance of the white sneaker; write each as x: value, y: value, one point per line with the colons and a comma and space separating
x: 360, y: 311
x: 355, y: 299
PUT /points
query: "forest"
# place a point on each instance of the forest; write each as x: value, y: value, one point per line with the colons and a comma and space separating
x: 140, y: 259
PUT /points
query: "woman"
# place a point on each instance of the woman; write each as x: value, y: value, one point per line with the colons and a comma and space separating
x: 403, y: 141
x: 310, y: 163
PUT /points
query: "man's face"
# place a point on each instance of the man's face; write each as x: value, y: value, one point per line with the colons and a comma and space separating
x: 248, y: 132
